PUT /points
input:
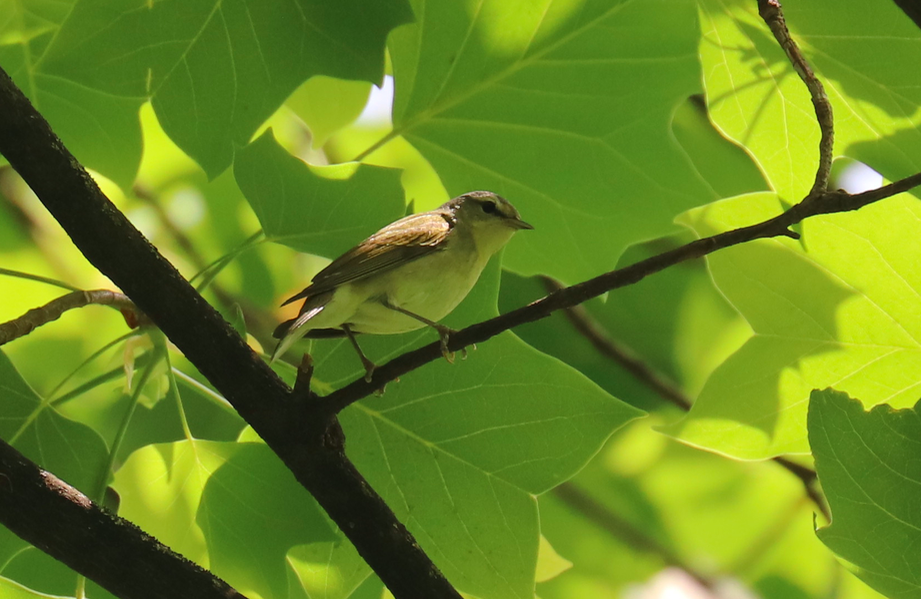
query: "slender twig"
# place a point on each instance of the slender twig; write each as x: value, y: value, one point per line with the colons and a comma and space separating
x: 810, y: 481
x: 772, y: 14
x: 592, y: 330
x: 634, y: 536
x: 29, y: 276
x: 36, y: 317
x: 668, y: 390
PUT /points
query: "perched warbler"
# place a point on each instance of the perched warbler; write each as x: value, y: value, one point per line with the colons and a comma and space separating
x: 408, y: 275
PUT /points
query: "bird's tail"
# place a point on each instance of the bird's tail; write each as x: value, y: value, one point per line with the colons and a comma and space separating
x: 290, y: 331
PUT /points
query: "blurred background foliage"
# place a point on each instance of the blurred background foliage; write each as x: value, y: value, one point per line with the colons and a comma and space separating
x: 252, y: 142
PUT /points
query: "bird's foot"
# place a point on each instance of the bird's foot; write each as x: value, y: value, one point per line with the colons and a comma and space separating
x: 445, y: 334
x: 464, y: 351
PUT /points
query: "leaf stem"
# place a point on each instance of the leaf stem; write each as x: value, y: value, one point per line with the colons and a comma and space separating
x: 28, y: 276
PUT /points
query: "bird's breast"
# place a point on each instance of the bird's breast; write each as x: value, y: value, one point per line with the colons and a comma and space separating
x: 431, y: 286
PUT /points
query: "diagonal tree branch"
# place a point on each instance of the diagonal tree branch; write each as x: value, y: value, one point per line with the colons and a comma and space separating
x: 55, y: 517
x: 303, y: 431
x: 304, y: 434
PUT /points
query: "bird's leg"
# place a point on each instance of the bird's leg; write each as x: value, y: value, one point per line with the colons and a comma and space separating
x: 368, y: 364
x: 444, y: 332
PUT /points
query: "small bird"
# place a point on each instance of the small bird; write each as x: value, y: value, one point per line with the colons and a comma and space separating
x: 408, y: 275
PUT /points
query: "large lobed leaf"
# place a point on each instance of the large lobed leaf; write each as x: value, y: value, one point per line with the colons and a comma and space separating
x: 214, y: 70
x: 70, y: 450
x: 458, y: 451
x: 837, y: 309
x: 869, y: 467
x: 562, y: 106
x: 757, y: 99
x: 840, y: 308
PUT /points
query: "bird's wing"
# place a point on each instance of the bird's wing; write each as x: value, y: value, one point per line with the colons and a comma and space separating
x: 407, y: 239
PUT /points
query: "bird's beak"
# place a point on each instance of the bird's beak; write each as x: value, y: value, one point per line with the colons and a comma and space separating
x: 517, y: 223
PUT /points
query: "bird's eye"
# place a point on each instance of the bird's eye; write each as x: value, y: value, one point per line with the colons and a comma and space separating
x: 489, y: 207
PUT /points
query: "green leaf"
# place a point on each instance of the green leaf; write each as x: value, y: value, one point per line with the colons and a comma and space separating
x: 870, y: 472
x: 756, y: 98
x: 202, y: 497
x: 327, y: 105
x: 842, y: 311
x: 562, y: 107
x: 329, y: 570
x: 10, y: 589
x: 215, y: 71
x: 101, y: 129
x: 460, y: 450
x: 679, y: 325
x: 322, y: 210
x: 252, y: 512
x: 71, y: 451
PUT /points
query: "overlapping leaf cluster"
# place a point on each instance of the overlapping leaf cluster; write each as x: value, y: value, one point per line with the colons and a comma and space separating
x: 588, y: 115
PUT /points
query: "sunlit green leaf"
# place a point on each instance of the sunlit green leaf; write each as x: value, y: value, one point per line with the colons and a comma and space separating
x: 562, y: 107
x: 757, y: 98
x: 252, y: 512
x: 326, y: 105
x: 839, y: 308
x: 870, y: 472
x: 323, y: 210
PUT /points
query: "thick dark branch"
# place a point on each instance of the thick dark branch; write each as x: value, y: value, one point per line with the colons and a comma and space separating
x: 304, y: 434
x: 912, y: 10
x: 772, y: 14
x: 779, y: 226
x: 53, y: 516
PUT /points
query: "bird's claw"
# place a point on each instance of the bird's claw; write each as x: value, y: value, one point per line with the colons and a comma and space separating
x: 445, y: 334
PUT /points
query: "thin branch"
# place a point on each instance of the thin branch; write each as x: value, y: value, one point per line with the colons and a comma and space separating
x: 810, y: 481
x: 592, y: 330
x: 624, y: 530
x: 772, y: 14
x: 36, y: 317
x: 305, y: 435
x: 54, y: 516
x: 29, y: 276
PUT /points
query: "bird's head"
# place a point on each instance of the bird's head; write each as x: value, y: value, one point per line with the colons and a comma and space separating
x: 489, y: 217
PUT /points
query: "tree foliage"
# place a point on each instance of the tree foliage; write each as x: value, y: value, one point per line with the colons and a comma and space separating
x: 548, y: 461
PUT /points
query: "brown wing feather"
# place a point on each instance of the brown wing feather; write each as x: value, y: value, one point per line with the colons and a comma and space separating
x: 406, y: 239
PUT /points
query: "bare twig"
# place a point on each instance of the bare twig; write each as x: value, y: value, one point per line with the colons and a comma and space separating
x: 36, y: 317
x: 772, y: 14
x: 624, y: 530
x: 592, y: 330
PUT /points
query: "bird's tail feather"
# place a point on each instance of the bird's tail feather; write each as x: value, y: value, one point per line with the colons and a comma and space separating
x: 290, y: 331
